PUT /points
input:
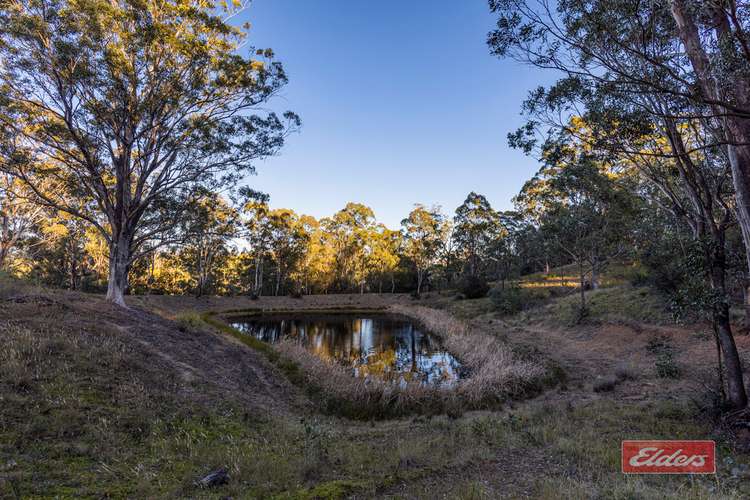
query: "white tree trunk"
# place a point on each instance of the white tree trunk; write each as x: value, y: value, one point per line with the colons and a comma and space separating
x: 119, y: 261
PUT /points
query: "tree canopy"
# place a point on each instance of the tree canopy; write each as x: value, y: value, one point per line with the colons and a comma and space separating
x: 118, y: 113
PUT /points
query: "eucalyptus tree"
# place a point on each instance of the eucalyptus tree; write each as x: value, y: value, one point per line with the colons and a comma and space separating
x: 349, y: 231
x: 675, y: 72
x: 586, y: 214
x: 423, y: 238
x: 503, y: 249
x: 715, y: 40
x: 475, y: 226
x: 58, y: 253
x: 211, y: 225
x: 124, y: 109
x: 690, y: 179
x: 257, y: 231
x: 673, y: 60
x: 18, y: 217
x: 288, y: 243
x: 317, y: 262
x: 385, y: 256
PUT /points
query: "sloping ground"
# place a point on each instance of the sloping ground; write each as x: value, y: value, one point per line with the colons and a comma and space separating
x: 621, y: 385
x: 96, y: 401
x: 205, y: 366
x: 230, y: 368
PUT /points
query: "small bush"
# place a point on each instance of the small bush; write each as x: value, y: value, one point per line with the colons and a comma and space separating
x: 637, y: 276
x: 574, y: 314
x: 474, y: 287
x: 507, y: 300
x: 666, y: 366
x: 661, y: 347
x: 659, y: 344
x: 622, y: 373
x: 189, y: 321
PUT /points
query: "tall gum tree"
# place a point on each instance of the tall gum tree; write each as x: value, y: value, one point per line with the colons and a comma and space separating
x: 716, y: 41
x: 423, y: 237
x: 120, y: 110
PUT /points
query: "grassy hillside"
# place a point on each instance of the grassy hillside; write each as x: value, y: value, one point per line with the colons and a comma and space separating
x: 98, y: 402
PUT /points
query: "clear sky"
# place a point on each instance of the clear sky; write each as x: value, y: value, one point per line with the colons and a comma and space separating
x: 400, y: 102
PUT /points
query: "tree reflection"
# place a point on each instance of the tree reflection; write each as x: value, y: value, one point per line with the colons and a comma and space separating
x: 380, y: 346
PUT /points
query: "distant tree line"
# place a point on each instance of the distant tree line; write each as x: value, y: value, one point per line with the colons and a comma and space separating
x: 254, y: 249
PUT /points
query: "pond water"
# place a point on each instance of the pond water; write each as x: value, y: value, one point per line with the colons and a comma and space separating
x: 388, y: 347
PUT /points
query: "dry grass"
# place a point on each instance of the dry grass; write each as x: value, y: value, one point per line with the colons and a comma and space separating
x: 496, y: 372
x: 336, y: 391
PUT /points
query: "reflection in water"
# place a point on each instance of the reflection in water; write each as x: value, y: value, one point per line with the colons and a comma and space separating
x: 382, y: 346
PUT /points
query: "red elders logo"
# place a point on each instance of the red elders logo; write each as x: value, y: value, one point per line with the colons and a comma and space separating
x: 669, y: 457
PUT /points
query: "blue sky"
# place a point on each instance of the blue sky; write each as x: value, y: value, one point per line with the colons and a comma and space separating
x: 400, y: 103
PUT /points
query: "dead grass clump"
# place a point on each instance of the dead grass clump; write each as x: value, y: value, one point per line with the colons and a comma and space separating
x: 20, y: 360
x: 338, y: 392
x: 495, y: 372
x: 626, y: 371
x: 33, y: 356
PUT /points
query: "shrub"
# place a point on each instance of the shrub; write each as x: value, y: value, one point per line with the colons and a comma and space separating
x: 666, y: 366
x: 637, y: 276
x: 189, y: 322
x: 507, y: 300
x: 474, y: 287
x: 662, y: 348
x: 659, y: 344
x: 574, y: 314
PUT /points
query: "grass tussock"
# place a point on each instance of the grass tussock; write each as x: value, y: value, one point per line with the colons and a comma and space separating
x: 496, y: 373
x: 337, y: 392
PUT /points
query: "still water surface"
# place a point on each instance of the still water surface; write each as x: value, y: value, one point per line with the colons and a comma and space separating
x: 374, y: 345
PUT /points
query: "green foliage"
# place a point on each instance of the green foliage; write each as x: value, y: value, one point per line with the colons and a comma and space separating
x: 157, y: 101
x: 620, y: 304
x: 661, y: 347
x: 508, y: 299
x: 512, y: 297
x: 682, y: 276
x: 424, y: 236
x: 666, y: 366
x: 111, y: 422
x: 476, y: 224
x: 473, y: 287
